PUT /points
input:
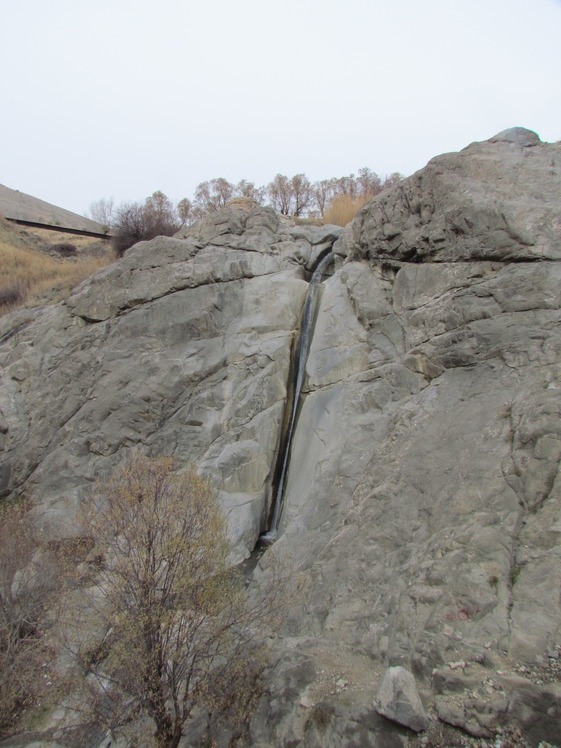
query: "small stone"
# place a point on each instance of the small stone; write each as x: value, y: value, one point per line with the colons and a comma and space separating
x: 456, y: 665
x: 306, y: 702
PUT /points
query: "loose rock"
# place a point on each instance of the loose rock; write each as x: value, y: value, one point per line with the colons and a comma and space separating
x: 399, y: 700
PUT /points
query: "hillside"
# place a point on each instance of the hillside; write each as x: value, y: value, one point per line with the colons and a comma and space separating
x: 40, y: 266
x: 19, y: 206
x: 421, y: 510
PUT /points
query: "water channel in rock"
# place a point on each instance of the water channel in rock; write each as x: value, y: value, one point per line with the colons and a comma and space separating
x: 298, y: 370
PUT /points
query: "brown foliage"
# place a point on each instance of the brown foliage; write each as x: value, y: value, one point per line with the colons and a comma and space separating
x: 135, y: 222
x: 30, y: 275
x: 28, y: 580
x: 65, y: 249
x: 342, y: 209
x: 175, y: 627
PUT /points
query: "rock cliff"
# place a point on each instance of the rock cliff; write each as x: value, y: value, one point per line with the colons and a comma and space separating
x: 422, y: 506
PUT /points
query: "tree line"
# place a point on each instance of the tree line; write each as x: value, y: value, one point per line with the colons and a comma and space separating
x: 295, y: 196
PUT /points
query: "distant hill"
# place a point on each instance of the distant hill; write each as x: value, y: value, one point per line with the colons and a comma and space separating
x: 18, y: 206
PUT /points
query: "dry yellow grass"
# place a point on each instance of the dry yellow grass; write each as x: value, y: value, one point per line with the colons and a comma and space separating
x: 343, y: 209
x: 31, y: 276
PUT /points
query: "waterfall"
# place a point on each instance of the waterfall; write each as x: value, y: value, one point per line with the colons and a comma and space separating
x: 298, y: 370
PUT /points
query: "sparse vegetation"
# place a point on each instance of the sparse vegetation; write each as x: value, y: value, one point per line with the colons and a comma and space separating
x: 175, y: 627
x: 65, y: 249
x: 30, y: 274
x: 321, y: 716
x: 332, y: 199
x: 28, y: 580
x: 135, y: 222
x: 342, y: 209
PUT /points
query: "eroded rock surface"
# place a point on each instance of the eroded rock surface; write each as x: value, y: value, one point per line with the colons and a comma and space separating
x: 494, y: 200
x: 183, y: 347
x: 423, y: 502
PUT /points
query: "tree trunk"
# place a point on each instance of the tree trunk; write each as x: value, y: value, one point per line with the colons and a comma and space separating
x: 176, y: 737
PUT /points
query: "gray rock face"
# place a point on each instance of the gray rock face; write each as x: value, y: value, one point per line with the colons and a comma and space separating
x: 423, y: 502
x: 495, y: 200
x: 422, y: 509
x: 399, y: 700
x: 183, y: 347
x: 518, y: 135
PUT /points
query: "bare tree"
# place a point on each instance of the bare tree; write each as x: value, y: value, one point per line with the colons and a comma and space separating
x: 185, y: 211
x: 212, y: 196
x: 346, y: 186
x: 279, y: 192
x: 135, y: 222
x: 129, y: 226
x: 323, y: 193
x: 368, y: 183
x: 103, y: 211
x: 179, y: 630
x: 161, y: 216
x: 302, y: 194
x: 391, y: 180
x: 248, y: 189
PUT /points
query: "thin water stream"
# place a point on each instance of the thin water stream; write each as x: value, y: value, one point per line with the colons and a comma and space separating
x: 298, y: 369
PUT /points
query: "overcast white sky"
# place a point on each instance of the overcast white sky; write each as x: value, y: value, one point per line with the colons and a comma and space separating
x: 120, y: 98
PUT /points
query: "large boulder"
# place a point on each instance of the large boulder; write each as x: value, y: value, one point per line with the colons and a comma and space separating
x: 496, y: 200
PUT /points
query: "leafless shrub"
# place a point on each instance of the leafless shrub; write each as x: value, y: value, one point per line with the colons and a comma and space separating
x: 170, y: 626
x: 28, y: 580
x: 135, y: 222
x: 11, y: 295
x: 65, y: 249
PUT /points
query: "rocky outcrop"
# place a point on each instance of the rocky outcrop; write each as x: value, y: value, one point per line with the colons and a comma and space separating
x: 494, y: 200
x: 422, y: 508
x: 183, y: 347
x: 423, y: 503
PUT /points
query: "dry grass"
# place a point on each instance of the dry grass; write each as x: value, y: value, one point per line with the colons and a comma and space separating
x: 31, y: 273
x: 343, y: 209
